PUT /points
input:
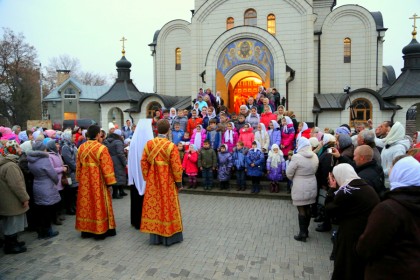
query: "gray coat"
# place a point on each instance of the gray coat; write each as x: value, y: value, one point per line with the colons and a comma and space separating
x: 45, y: 178
x: 69, y: 154
x: 116, y: 149
x: 301, y: 171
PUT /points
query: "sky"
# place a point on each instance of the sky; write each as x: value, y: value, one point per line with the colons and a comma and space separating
x: 91, y: 30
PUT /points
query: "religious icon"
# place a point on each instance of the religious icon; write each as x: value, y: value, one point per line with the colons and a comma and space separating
x: 245, y: 49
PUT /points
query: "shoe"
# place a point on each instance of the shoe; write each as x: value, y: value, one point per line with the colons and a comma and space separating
x: 62, y: 218
x: 49, y: 233
x: 57, y: 222
x: 122, y: 192
x: 86, y: 234
x: 319, y: 219
x: 239, y: 189
x: 12, y: 245
x: 324, y: 227
x: 116, y: 196
x: 303, y: 229
x: 71, y: 212
x: 276, y: 188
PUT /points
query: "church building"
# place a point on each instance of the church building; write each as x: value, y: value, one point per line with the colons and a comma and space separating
x: 323, y: 59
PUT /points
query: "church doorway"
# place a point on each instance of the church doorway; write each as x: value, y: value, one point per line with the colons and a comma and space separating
x: 241, y: 86
x: 412, y: 122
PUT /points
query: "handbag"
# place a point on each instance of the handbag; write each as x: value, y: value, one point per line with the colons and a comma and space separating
x: 66, y: 180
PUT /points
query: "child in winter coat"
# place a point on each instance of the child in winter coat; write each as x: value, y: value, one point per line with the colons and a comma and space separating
x: 189, y: 164
x: 276, y: 166
x: 224, y: 167
x: 207, y: 162
x: 247, y: 136
x: 253, y: 118
x: 287, y: 135
x: 177, y: 133
x: 274, y: 133
x: 230, y: 137
x: 185, y: 140
x: 262, y: 136
x: 254, y: 163
x: 214, y: 135
x: 198, y: 137
x: 239, y: 164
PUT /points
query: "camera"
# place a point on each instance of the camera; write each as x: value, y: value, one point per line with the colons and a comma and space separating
x: 329, y: 150
x: 347, y: 89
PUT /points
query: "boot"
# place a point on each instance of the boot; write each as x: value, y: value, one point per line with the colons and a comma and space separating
x: 253, y: 189
x: 122, y: 192
x: 115, y: 193
x: 276, y: 187
x: 325, y: 226
x: 272, y: 187
x: 51, y: 233
x: 302, y: 235
x: 12, y: 246
x: 308, y: 222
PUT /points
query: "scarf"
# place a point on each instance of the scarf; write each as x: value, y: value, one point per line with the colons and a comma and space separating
x: 213, y: 115
x: 344, y: 173
x: 288, y: 121
x: 396, y: 134
x: 142, y: 134
x: 405, y: 173
x: 229, y: 134
x: 302, y: 143
x: 304, y: 128
x: 197, y: 138
x: 261, y: 134
x: 172, y: 116
x: 218, y: 100
x: 276, y: 158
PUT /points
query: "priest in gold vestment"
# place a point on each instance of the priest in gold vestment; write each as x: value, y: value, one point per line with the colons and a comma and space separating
x: 162, y: 171
x: 95, y: 173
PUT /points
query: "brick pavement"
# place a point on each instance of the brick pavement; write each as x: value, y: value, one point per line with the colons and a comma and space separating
x: 224, y: 238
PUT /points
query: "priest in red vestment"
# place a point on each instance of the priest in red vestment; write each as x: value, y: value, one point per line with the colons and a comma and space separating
x: 95, y: 173
x: 162, y: 171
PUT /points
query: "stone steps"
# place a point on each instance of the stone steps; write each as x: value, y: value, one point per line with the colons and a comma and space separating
x: 216, y: 191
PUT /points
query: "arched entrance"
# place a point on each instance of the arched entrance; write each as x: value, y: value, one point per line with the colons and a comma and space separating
x: 412, y: 122
x: 115, y: 115
x: 242, y: 66
x: 241, y: 86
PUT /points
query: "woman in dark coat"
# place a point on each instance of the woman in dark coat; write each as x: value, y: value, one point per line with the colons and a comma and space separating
x: 115, y: 146
x: 391, y: 241
x: 350, y: 206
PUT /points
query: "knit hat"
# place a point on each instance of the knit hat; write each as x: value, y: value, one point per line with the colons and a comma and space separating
x: 344, y: 141
x: 38, y: 146
x: 50, y: 133
x: 118, y: 132
x: 51, y: 147
x: 111, y: 125
x: 342, y: 130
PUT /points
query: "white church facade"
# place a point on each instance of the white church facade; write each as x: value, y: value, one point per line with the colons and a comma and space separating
x: 308, y: 50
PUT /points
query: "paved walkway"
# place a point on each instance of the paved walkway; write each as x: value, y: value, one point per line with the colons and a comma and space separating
x: 224, y: 238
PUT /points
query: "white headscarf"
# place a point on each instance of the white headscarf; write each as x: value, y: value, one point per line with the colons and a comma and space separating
x: 405, y: 173
x: 275, y: 124
x: 288, y: 121
x: 172, y: 115
x: 197, y: 139
x: 213, y: 114
x: 218, y: 100
x: 304, y: 128
x: 302, y: 143
x: 276, y: 158
x: 327, y: 138
x: 229, y: 134
x: 258, y: 146
x: 142, y: 134
x: 261, y: 134
x: 396, y: 133
x: 344, y: 173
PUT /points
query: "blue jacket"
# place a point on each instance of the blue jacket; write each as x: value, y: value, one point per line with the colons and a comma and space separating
x: 214, y: 136
x: 239, y: 158
x: 177, y: 136
x: 257, y: 158
x: 275, y: 137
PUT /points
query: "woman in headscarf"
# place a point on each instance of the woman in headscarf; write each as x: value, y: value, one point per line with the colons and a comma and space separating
x: 69, y: 154
x: 303, y: 131
x: 301, y: 171
x: 390, y: 243
x: 395, y: 144
x: 349, y: 201
x: 274, y: 133
x: 267, y: 116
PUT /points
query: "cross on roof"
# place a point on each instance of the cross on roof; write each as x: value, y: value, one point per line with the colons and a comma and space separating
x: 414, y: 33
x: 123, y: 47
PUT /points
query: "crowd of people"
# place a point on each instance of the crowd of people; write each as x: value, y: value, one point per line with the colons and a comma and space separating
x: 336, y: 176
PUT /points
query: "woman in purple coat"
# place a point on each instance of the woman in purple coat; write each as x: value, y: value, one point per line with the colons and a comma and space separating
x: 57, y: 163
x: 46, y: 196
x: 224, y: 167
x: 276, y: 166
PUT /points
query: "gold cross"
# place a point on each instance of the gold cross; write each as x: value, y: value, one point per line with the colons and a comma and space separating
x: 123, y: 47
x: 414, y: 33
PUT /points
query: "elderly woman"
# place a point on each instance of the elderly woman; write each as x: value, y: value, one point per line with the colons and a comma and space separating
x: 390, y: 243
x: 301, y: 171
x: 349, y: 201
x: 69, y: 154
x: 251, y: 102
x: 46, y: 196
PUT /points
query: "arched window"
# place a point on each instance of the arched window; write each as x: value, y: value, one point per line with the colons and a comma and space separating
x: 230, y: 23
x: 250, y: 17
x: 271, y: 24
x: 362, y: 109
x: 178, y: 59
x: 347, y: 50
x: 151, y: 108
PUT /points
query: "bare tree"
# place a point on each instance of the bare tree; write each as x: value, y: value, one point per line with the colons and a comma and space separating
x: 19, y: 84
x: 92, y: 79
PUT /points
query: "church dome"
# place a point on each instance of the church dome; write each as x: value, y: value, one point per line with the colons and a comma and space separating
x: 123, y: 63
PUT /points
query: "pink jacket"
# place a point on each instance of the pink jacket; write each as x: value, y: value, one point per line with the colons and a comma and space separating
x: 230, y: 145
x: 247, y: 137
x: 189, y: 164
x: 203, y: 137
x: 287, y: 138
